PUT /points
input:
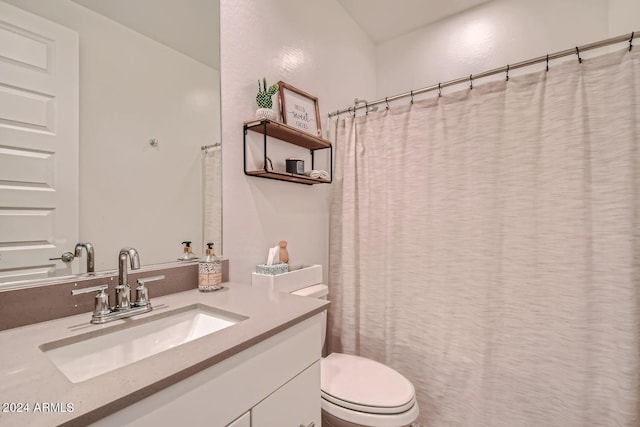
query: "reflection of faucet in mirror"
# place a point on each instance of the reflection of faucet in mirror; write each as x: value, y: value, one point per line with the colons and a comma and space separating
x: 123, y: 290
x: 90, y: 255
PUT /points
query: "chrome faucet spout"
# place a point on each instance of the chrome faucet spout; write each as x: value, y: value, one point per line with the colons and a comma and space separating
x: 90, y: 255
x: 132, y: 255
x: 123, y: 290
x: 134, y: 258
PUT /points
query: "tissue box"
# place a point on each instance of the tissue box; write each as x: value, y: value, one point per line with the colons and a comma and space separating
x: 290, y: 281
x: 272, y: 269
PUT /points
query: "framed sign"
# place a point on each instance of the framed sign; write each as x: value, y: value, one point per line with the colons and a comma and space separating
x: 299, y: 109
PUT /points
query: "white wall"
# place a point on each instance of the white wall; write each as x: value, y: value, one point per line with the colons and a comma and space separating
x: 133, y: 89
x: 316, y: 47
x: 624, y: 17
x: 495, y: 34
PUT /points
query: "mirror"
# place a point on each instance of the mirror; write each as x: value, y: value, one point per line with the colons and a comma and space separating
x: 149, y: 99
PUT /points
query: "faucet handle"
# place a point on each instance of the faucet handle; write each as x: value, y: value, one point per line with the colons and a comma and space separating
x: 101, y: 306
x: 142, y: 293
x: 99, y: 288
x: 144, y: 280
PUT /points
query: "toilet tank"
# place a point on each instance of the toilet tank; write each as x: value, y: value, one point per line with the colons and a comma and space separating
x: 319, y: 291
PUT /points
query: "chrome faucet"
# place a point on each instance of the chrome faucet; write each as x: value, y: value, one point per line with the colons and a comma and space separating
x: 123, y: 290
x: 102, y: 312
x: 90, y: 255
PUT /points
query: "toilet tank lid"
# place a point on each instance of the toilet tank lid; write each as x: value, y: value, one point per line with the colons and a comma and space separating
x: 315, y: 291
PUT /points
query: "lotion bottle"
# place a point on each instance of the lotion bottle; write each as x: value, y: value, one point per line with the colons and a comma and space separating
x: 210, y: 271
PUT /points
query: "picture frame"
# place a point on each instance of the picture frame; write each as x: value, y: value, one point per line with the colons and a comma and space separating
x: 299, y: 109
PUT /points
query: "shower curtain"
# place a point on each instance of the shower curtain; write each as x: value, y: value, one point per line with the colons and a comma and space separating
x: 212, y: 197
x: 486, y: 244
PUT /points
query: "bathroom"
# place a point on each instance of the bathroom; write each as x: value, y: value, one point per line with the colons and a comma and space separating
x: 318, y: 47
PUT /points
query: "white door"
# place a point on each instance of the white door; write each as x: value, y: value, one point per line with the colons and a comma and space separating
x: 39, y: 207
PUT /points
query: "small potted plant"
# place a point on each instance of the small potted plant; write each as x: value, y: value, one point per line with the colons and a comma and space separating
x: 263, y: 99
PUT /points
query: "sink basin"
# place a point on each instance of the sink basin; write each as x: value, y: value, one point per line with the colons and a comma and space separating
x: 86, y: 356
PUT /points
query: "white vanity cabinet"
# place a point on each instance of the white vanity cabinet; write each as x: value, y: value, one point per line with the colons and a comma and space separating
x: 243, y: 421
x: 296, y: 403
x: 275, y: 382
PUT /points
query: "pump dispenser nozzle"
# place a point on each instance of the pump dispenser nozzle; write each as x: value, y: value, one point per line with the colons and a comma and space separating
x: 188, y: 253
x: 209, y: 250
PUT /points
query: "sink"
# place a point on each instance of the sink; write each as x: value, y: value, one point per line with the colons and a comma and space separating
x: 86, y: 356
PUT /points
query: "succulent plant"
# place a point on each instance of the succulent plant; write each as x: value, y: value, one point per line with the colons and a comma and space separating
x: 263, y: 98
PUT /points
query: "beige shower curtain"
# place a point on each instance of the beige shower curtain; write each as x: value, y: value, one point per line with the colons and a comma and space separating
x: 486, y: 244
x: 212, y: 197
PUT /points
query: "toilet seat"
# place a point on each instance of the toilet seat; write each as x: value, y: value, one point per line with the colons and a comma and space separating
x: 364, y: 385
x: 358, y: 418
x: 369, y: 409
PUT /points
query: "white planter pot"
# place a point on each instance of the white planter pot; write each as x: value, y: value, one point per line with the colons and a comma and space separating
x: 265, y: 113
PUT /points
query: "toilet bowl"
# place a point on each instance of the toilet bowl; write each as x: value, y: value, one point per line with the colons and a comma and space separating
x: 360, y: 392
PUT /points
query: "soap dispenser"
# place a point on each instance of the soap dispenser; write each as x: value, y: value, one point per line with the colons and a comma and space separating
x: 210, y: 271
x: 188, y: 254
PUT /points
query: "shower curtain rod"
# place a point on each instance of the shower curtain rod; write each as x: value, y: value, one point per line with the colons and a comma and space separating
x: 575, y: 51
x: 205, y: 148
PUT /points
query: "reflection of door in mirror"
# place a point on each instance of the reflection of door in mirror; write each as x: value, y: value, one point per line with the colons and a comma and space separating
x: 39, y: 208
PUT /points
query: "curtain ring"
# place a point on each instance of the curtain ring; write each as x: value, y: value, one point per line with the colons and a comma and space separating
x: 578, y: 53
x: 470, y: 81
x: 366, y: 108
x: 386, y: 100
x: 507, y: 72
x: 439, y: 90
x: 631, y: 41
x: 547, y: 62
x: 354, y: 111
x: 411, y: 97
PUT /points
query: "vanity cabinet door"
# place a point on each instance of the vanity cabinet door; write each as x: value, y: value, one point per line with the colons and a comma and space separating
x: 295, y: 404
x: 243, y: 421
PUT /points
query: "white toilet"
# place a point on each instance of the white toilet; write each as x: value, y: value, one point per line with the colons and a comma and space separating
x: 360, y: 392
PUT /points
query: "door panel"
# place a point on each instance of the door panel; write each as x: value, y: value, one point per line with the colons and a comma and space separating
x: 39, y: 190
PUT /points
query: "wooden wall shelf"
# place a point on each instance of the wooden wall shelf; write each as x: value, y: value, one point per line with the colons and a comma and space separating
x: 288, y: 134
x: 284, y: 176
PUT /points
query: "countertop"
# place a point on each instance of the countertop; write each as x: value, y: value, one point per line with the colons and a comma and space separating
x: 27, y: 376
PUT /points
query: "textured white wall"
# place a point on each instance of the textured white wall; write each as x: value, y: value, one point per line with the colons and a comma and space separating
x: 624, y: 17
x: 495, y: 34
x: 316, y: 47
x: 133, y: 89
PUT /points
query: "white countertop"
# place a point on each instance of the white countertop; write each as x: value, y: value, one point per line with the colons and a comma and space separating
x: 27, y: 376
